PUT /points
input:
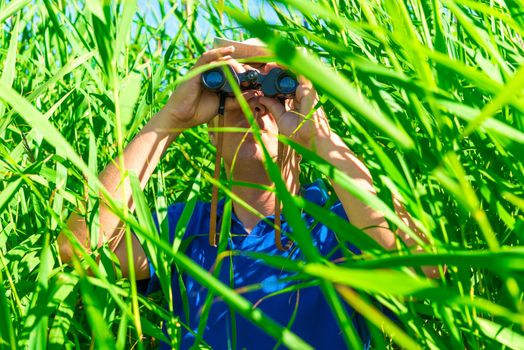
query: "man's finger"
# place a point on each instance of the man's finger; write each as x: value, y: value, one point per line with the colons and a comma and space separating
x: 306, y: 95
x: 237, y: 67
x: 305, y: 87
x: 302, y: 80
x: 271, y: 65
x: 213, y: 55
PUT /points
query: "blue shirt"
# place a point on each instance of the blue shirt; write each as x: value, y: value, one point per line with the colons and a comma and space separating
x: 313, y: 319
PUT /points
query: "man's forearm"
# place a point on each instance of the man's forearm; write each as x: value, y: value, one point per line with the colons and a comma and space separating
x: 330, y: 147
x: 141, y: 156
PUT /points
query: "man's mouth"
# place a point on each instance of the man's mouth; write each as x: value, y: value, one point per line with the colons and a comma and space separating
x: 259, y: 113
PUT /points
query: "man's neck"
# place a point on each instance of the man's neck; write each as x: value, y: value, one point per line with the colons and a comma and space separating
x: 262, y: 201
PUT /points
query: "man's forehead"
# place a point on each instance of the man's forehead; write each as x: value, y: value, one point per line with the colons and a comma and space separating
x: 260, y: 65
x: 256, y: 64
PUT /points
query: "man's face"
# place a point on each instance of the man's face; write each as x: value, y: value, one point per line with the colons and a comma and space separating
x: 242, y: 145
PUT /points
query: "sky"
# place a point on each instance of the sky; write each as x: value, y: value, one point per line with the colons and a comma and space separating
x: 149, y: 8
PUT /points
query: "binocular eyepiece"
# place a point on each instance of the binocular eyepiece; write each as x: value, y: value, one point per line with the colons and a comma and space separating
x: 277, y: 83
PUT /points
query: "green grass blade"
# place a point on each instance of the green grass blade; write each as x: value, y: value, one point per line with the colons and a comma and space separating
x: 501, y: 334
x: 12, y: 7
x: 7, y: 333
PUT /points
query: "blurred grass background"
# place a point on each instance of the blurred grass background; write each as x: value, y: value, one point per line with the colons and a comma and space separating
x: 429, y: 93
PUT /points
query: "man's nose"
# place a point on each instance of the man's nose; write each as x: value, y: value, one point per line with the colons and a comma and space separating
x: 257, y: 108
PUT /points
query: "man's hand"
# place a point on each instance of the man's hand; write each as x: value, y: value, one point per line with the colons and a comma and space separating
x: 190, y: 104
x: 293, y: 120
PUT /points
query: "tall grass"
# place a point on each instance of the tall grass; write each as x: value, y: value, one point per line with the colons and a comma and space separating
x: 429, y: 93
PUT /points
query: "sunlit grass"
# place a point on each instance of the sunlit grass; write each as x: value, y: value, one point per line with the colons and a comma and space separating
x: 428, y: 93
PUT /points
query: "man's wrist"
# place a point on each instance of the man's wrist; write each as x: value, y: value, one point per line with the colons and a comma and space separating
x: 162, y: 126
x: 329, y: 146
x: 319, y: 141
x: 171, y: 121
x: 316, y: 131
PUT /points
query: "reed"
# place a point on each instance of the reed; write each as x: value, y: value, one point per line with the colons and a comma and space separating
x: 429, y: 93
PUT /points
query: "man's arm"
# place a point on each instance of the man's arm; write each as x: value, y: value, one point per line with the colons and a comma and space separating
x: 140, y: 156
x: 316, y: 135
x: 188, y: 106
x: 333, y: 149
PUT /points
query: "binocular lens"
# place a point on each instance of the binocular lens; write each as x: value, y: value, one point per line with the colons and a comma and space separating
x: 213, y: 79
x: 287, y: 84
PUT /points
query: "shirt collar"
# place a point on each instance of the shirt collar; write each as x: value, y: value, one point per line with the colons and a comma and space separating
x: 315, y: 192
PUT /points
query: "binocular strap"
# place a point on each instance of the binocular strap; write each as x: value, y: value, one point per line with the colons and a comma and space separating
x: 278, y: 223
x: 219, y: 137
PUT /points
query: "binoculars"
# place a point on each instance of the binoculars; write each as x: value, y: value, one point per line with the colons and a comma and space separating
x: 277, y: 83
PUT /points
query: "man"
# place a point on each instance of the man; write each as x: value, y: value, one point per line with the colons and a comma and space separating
x: 191, y: 105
